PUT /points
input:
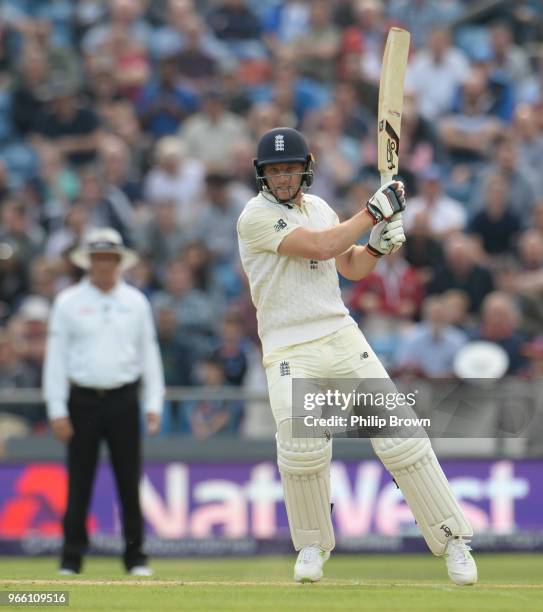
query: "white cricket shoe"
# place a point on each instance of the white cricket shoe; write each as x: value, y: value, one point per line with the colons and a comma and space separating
x: 66, y: 571
x: 460, y: 564
x: 140, y: 570
x: 309, y: 564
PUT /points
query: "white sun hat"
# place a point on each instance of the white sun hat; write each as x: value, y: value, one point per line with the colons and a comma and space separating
x: 481, y: 360
x: 103, y: 240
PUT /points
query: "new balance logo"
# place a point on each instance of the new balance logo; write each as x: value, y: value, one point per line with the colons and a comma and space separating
x: 313, y: 264
x: 280, y: 225
x: 279, y: 142
x: 448, y: 532
x: 284, y: 368
x: 364, y: 355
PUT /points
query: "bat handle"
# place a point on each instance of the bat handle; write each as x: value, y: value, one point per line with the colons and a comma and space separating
x: 386, y: 177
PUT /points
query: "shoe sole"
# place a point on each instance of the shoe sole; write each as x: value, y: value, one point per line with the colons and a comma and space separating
x: 307, y: 580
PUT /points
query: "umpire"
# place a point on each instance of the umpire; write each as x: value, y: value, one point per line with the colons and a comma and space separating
x: 101, y: 343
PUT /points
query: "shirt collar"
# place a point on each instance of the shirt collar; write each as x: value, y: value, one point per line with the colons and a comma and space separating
x: 85, y: 281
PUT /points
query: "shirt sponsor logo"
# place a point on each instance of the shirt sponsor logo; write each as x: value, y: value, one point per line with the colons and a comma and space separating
x: 280, y: 225
x: 86, y: 310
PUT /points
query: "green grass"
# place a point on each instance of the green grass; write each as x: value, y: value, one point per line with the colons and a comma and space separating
x: 357, y: 582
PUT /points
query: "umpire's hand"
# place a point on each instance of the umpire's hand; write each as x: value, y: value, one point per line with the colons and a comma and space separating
x: 62, y: 429
x: 153, y: 423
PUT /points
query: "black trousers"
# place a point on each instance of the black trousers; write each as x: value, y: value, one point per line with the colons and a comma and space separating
x: 114, y: 416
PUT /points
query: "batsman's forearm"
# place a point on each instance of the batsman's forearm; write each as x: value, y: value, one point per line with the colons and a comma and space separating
x: 338, y: 239
x: 360, y: 263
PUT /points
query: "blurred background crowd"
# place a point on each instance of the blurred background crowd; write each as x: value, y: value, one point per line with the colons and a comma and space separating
x: 144, y: 115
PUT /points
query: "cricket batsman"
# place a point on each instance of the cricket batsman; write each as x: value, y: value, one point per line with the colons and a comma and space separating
x: 292, y: 247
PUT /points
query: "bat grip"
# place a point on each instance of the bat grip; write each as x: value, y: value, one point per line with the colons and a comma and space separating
x: 386, y: 177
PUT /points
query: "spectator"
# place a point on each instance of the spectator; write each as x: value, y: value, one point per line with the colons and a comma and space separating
x: 195, y: 313
x: 435, y: 73
x: 71, y: 234
x: 242, y: 171
x: 235, y: 85
x: 15, y: 374
x: 356, y: 119
x: 102, y: 84
x: 164, y: 102
x: 142, y: 276
x: 118, y: 170
x: 209, y: 134
x: 59, y: 185
x: 130, y: 62
x: 210, y: 418
x: 175, y: 352
x: 469, y: 133
x: 262, y: 116
x: 107, y: 206
x: 234, y: 349
x: 196, y: 63
x: 178, y: 363
x: 30, y: 324
x: 175, y: 176
x: 43, y: 279
x: 235, y: 24
x: 163, y: 237
x: 293, y: 96
x: 394, y: 289
x: 461, y: 271
x: 456, y: 304
x: 505, y: 162
x: 284, y: 22
x: 496, y: 225
x: 317, y: 49
x: 528, y: 137
x: 28, y: 105
x: 445, y: 215
x: 169, y: 38
x: 17, y: 230
x: 221, y: 209
x: 13, y: 277
x: 338, y: 153
x: 4, y: 181
x: 429, y: 348
x: 71, y: 125
x: 533, y: 351
x: 506, y: 56
x: 421, y: 17
x: 420, y: 142
x: 217, y: 283
x: 363, y: 42
x: 499, y: 324
x: 123, y: 122
x: 530, y: 248
x: 124, y: 16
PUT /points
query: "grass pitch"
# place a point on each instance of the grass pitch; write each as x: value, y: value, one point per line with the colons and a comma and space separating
x: 357, y: 582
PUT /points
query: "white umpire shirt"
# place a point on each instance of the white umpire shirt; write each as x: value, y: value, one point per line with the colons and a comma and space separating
x: 103, y: 341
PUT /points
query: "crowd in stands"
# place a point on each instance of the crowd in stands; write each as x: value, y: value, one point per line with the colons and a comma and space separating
x: 144, y: 115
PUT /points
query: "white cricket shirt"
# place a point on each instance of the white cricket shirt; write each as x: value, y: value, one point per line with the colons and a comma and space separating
x: 101, y: 340
x: 297, y: 299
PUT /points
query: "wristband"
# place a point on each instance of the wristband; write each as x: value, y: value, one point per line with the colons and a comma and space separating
x: 373, y: 252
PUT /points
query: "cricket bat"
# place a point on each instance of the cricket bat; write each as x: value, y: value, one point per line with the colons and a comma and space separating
x: 389, y: 115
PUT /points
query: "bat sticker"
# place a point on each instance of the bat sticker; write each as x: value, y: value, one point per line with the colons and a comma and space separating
x: 393, y: 145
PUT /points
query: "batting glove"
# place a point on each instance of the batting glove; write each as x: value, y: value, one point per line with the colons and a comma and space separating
x: 386, y: 201
x: 386, y: 238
